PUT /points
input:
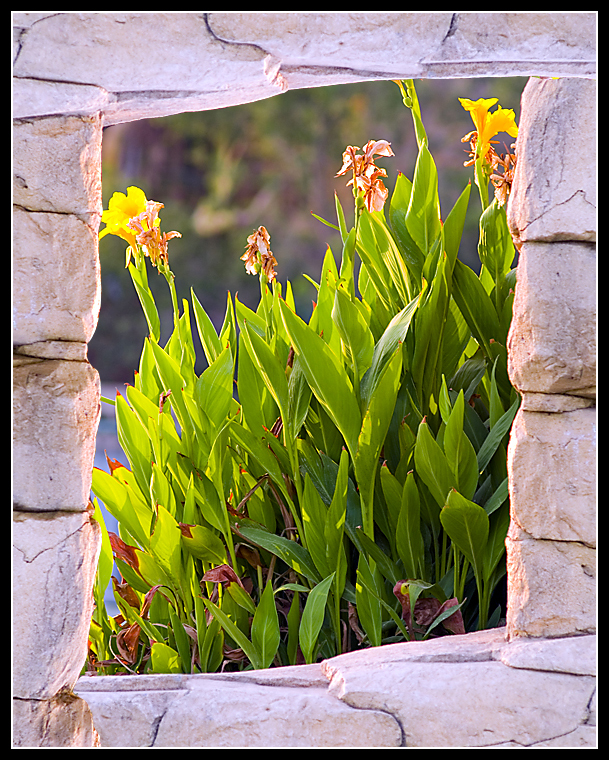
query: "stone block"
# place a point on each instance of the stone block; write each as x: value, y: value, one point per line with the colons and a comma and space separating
x: 231, y: 711
x: 480, y: 703
x: 554, y: 191
x: 54, y: 564
x: 57, y: 166
x: 552, y: 469
x: 551, y: 587
x: 56, y: 409
x: 56, y: 277
x: 143, y: 65
x: 552, y: 337
x: 64, y: 721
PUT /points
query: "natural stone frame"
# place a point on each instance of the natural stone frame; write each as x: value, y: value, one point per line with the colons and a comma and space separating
x: 50, y: 105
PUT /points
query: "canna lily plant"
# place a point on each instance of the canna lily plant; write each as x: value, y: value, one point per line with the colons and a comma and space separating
x: 322, y: 485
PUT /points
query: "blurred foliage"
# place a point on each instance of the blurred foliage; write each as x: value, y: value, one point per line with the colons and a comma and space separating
x: 224, y: 172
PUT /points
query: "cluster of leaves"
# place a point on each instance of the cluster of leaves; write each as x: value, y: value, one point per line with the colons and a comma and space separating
x: 322, y: 485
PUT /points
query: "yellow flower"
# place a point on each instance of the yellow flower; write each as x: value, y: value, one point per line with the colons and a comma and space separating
x: 488, y: 124
x: 121, y: 209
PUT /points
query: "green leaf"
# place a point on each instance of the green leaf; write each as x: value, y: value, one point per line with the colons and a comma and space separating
x: 271, y: 372
x: 392, y: 337
x: 293, y: 554
x: 265, y: 627
x: 476, y: 306
x: 459, y: 451
x: 203, y: 543
x: 423, y: 215
x: 467, y: 525
x: 368, y: 605
x: 326, y: 377
x: 165, y: 545
x: 495, y: 436
x: 314, y: 513
x: 408, y: 538
x: 140, y: 281
x: 207, y: 334
x: 116, y: 497
x: 313, y: 617
x: 432, y: 465
x: 164, y: 659
x: 354, y: 332
x: 235, y: 633
x: 214, y: 388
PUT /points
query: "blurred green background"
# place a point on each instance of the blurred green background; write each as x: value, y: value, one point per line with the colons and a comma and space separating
x: 222, y: 173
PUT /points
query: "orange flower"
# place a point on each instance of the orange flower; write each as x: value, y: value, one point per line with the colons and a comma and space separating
x: 258, y: 255
x: 366, y: 175
x: 148, y: 234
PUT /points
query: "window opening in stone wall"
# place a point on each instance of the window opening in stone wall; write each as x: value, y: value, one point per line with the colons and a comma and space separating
x: 221, y: 174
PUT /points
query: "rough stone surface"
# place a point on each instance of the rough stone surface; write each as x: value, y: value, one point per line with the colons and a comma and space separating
x: 139, y: 65
x: 64, y: 721
x: 552, y: 587
x: 56, y: 280
x: 56, y: 408
x: 554, y: 495
x: 558, y: 122
x: 211, y: 711
x: 56, y: 166
x: 489, y: 693
x: 54, y: 564
x: 552, y: 338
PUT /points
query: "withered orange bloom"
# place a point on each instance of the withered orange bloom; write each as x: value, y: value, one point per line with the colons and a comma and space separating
x: 366, y: 175
x: 146, y: 227
x: 258, y: 255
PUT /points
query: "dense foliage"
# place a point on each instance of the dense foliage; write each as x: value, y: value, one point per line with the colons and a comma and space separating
x: 325, y: 483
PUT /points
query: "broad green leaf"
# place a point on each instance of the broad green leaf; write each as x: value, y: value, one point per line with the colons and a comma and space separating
x: 453, y: 226
x: 182, y: 640
x: 326, y: 377
x: 270, y: 370
x: 476, y: 306
x: 313, y: 617
x: 164, y: 659
x: 459, y: 451
x: 165, y: 545
x: 235, y: 633
x: 467, y: 525
x: 134, y: 441
x: 495, y: 436
x: 392, y: 337
x: 214, y: 388
x: 116, y: 498
x: 314, y: 513
x: 106, y: 561
x: 368, y: 605
x: 409, y: 539
x: 375, y: 424
x: 293, y: 554
x: 354, y: 332
x: 203, y: 543
x: 423, y: 215
x: 140, y: 281
x: 432, y: 465
x: 161, y: 491
x: 207, y: 334
x: 265, y: 627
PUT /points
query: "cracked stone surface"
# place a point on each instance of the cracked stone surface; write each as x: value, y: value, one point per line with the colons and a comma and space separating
x: 489, y: 692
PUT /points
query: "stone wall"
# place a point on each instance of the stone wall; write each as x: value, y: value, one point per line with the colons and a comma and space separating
x: 531, y: 684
